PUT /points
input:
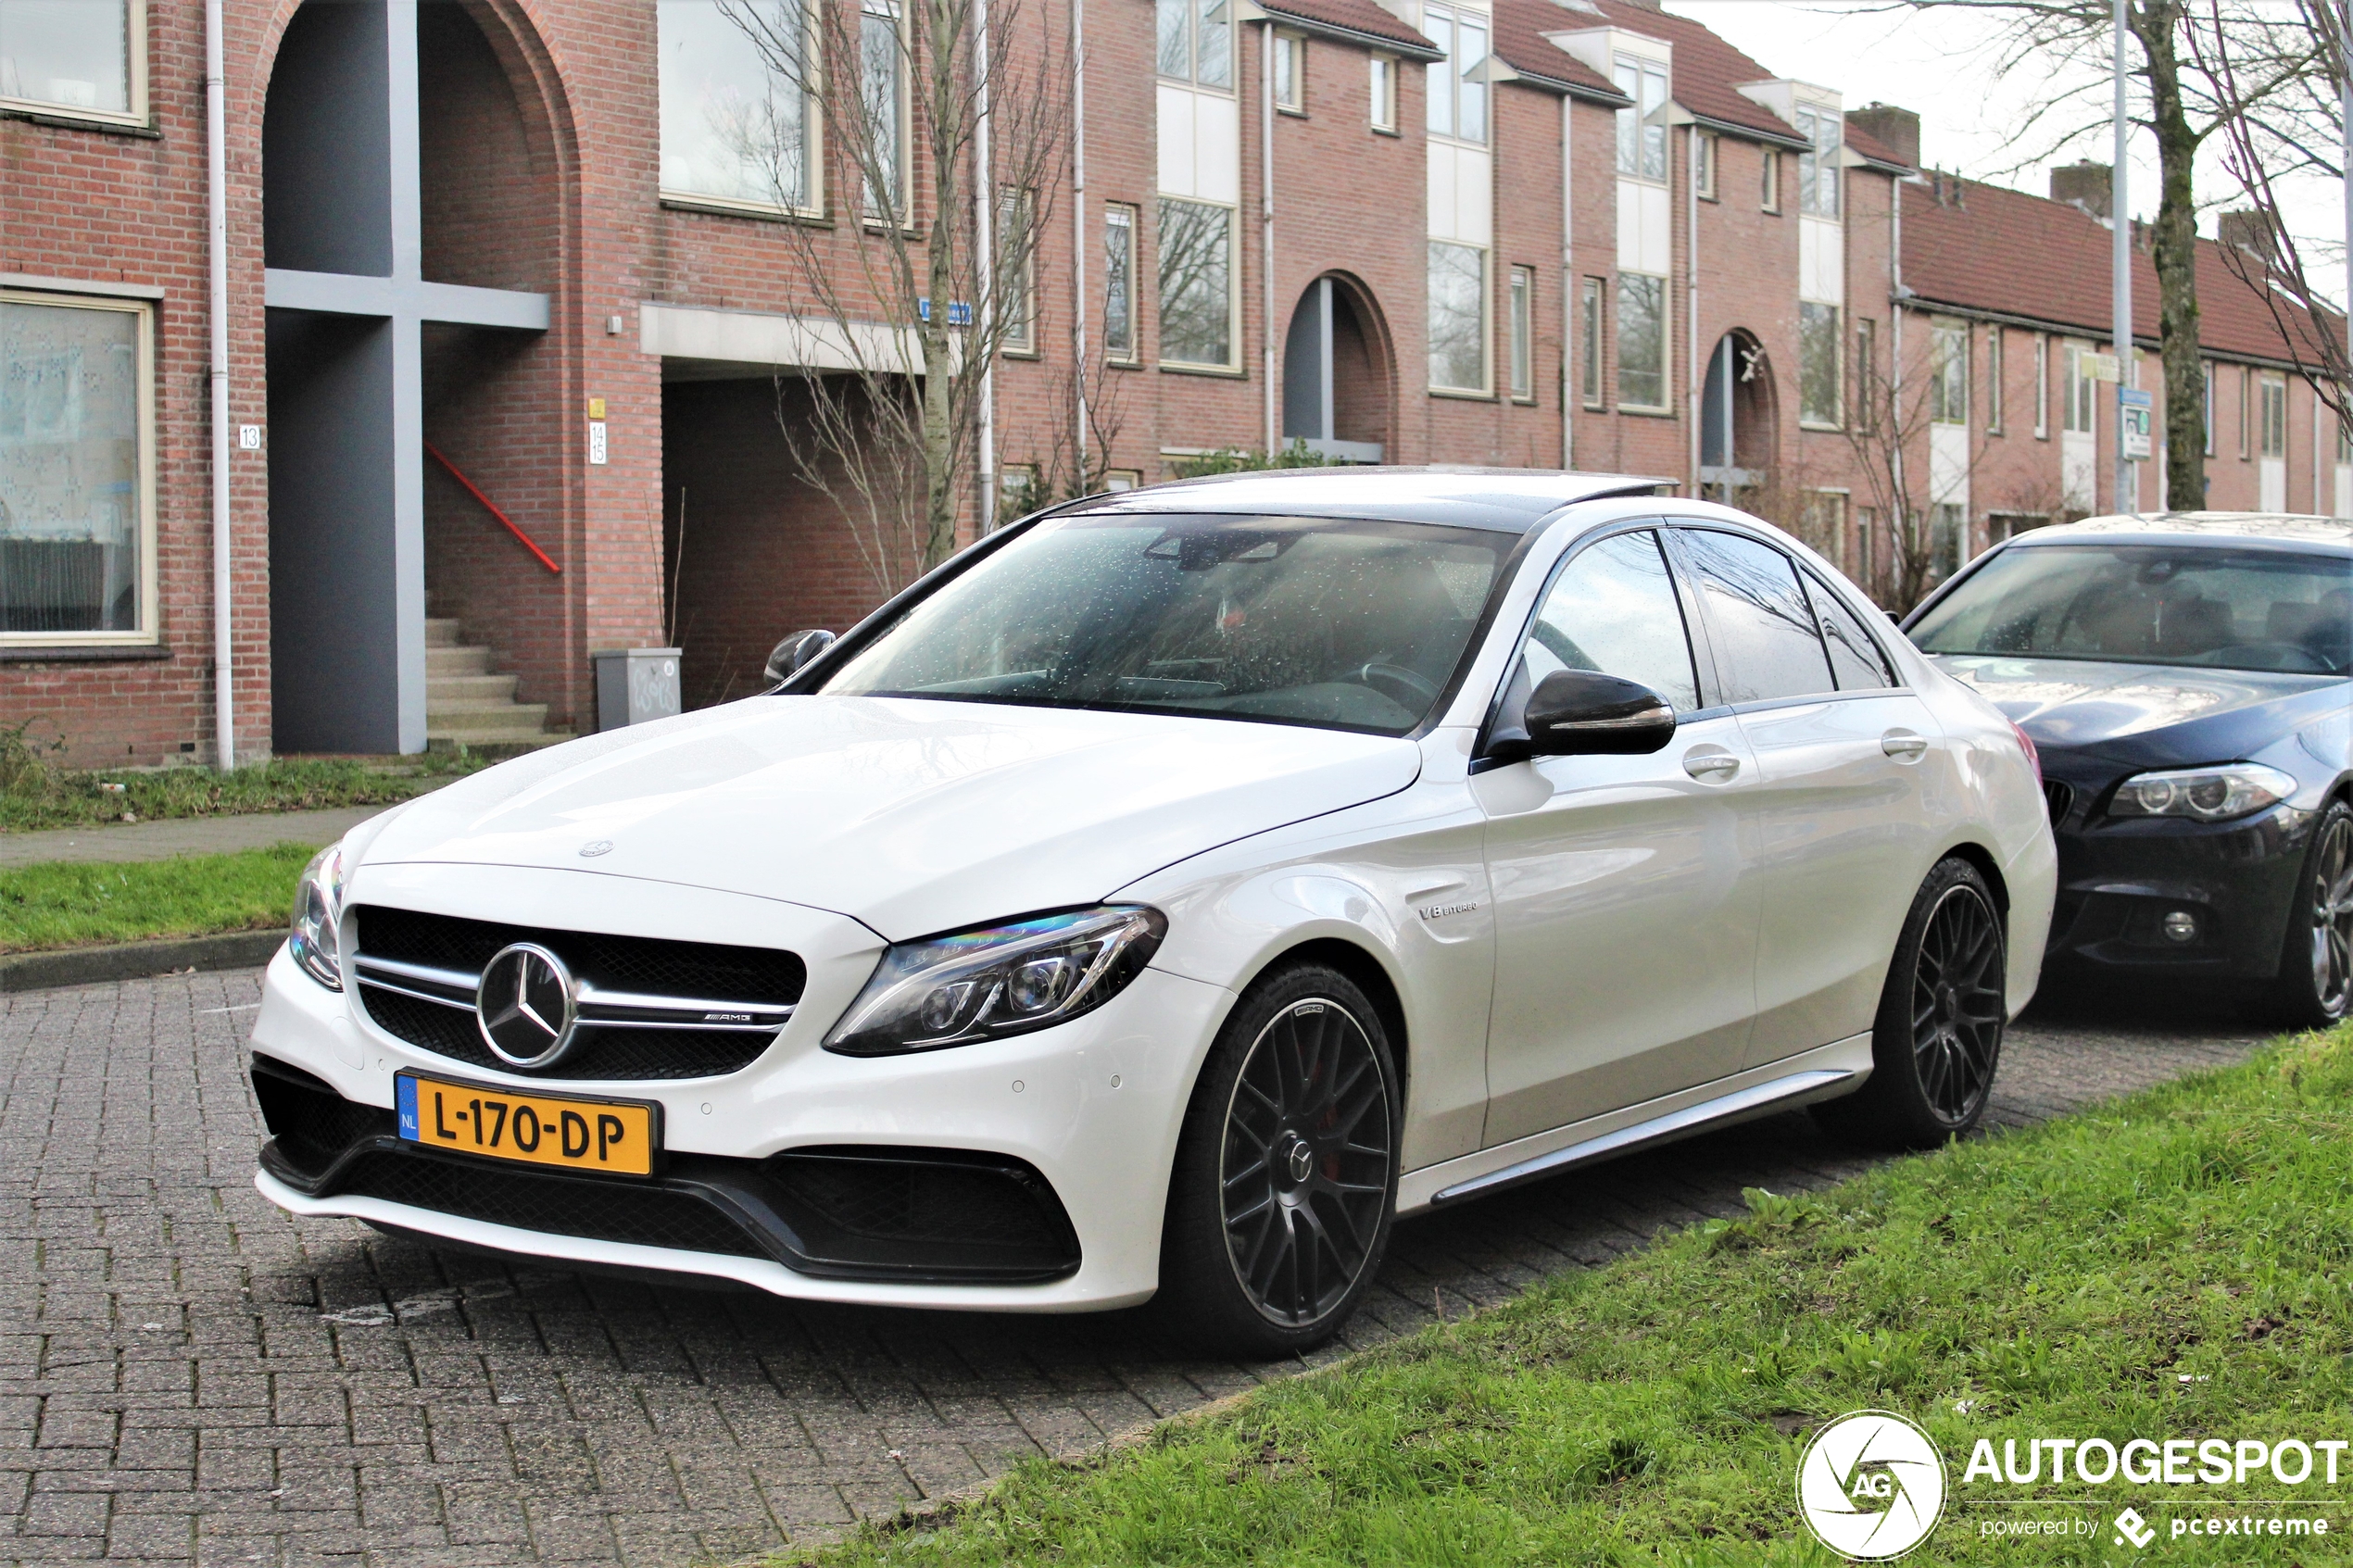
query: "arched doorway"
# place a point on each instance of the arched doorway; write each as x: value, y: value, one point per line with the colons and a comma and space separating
x: 1338, y: 372
x: 411, y: 233
x: 1737, y: 422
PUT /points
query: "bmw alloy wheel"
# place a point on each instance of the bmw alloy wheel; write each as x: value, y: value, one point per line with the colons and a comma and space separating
x: 2330, y: 892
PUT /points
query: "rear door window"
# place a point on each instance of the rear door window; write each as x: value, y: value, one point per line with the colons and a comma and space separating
x: 1762, y: 629
x: 1855, y: 660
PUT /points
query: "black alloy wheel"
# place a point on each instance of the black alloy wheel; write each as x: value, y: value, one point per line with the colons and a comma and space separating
x: 2315, y: 986
x: 1938, y: 1038
x: 1286, y: 1178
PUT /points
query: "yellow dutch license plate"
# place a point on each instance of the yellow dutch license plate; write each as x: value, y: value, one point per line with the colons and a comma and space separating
x: 618, y: 1137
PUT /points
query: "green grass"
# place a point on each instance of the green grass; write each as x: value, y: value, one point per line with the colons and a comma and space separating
x: 76, y: 904
x: 2172, y: 1266
x: 35, y: 795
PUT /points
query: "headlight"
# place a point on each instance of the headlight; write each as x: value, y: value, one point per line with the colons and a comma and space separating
x: 318, y: 905
x: 1002, y: 980
x: 2205, y: 795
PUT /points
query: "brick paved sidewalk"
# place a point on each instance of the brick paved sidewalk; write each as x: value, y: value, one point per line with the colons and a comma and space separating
x: 189, y: 1375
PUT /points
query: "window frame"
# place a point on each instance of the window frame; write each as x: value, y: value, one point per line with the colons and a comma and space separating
x: 1457, y: 75
x: 1593, y: 312
x: 2082, y: 401
x: 1813, y: 177
x: 1015, y: 205
x: 2266, y: 385
x: 2246, y: 390
x: 1770, y: 183
x: 812, y: 139
x: 1635, y: 152
x: 1993, y: 370
x: 149, y: 631
x: 1665, y: 405
x: 1947, y: 404
x: 139, y: 115
x: 2041, y: 386
x: 1381, y: 90
x: 1837, y: 378
x: 1706, y: 148
x: 1232, y: 365
x: 1193, y: 49
x: 2207, y: 375
x: 903, y: 210
x: 1521, y: 298
x: 1486, y: 322
x: 1865, y: 334
x: 1291, y: 58
x: 1123, y: 215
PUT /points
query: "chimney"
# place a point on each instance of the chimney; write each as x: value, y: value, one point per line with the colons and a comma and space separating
x: 2087, y: 185
x: 2251, y: 232
x: 1897, y: 129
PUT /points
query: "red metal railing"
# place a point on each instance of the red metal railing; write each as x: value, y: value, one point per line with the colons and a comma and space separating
x: 492, y: 507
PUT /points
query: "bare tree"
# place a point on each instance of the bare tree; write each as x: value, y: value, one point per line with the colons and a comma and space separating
x: 943, y: 124
x: 2176, y: 42
x: 2261, y: 151
x: 1086, y: 396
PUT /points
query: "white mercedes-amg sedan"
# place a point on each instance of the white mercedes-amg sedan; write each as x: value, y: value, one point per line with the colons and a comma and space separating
x: 1162, y: 897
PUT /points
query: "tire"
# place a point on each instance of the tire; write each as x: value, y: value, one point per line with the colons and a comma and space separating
x: 1937, y: 1041
x: 2314, y: 988
x: 1285, y: 1185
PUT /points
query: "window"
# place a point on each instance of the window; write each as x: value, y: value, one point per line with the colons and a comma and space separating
x: 87, y: 58
x: 1825, y: 527
x: 2079, y: 409
x: 2274, y: 430
x: 1384, y: 93
x: 1457, y: 317
x: 1704, y: 151
x: 1856, y: 660
x: 1866, y: 547
x: 734, y: 129
x: 1291, y: 74
x: 1947, y: 528
x: 1993, y: 380
x: 1458, y: 82
x: 2246, y: 416
x: 2206, y: 370
x: 1524, y: 334
x: 2042, y: 387
x: 1948, y: 373
x: 1642, y: 146
x: 1770, y: 193
x: 1014, y: 240
x: 1817, y: 165
x: 1817, y: 367
x: 1196, y: 41
x: 1613, y: 610
x: 1119, y: 282
x: 882, y: 97
x: 1865, y: 368
x: 77, y: 470
x: 1763, y: 631
x: 1196, y: 283
x: 1642, y: 341
x: 1589, y: 348
x: 2344, y: 441
x: 1119, y: 480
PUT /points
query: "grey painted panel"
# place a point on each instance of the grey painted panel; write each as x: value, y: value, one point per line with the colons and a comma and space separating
x: 326, y: 143
x: 334, y: 556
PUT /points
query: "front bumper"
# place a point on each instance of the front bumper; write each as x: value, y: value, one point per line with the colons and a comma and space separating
x: 1090, y: 1110
x: 2119, y: 878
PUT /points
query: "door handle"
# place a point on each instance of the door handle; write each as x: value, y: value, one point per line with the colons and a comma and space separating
x: 1903, y: 744
x: 1711, y: 764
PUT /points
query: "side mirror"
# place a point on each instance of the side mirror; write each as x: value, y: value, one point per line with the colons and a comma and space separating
x: 795, y: 654
x: 1584, y: 713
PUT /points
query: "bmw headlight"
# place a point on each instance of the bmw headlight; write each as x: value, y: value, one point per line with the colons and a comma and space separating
x: 1002, y: 980
x: 318, y: 905
x: 2204, y: 794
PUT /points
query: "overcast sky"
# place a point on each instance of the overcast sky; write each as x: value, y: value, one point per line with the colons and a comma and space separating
x: 1938, y: 64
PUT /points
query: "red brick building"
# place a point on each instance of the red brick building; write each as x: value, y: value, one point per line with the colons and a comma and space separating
x: 516, y: 254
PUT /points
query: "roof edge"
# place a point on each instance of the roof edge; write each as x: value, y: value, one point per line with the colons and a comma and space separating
x: 1275, y: 12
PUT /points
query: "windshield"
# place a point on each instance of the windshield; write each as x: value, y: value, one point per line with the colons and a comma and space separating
x: 1306, y: 620
x: 2153, y: 604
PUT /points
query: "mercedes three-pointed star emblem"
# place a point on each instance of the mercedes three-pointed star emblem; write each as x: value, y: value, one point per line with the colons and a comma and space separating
x: 527, y: 1006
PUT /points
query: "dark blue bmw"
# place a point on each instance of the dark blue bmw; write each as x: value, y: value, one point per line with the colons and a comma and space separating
x: 2188, y: 679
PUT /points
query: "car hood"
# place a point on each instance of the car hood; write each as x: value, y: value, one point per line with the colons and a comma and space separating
x: 913, y: 817
x: 2146, y: 710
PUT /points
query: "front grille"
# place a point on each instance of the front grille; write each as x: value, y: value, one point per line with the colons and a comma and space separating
x: 597, y: 1210
x: 900, y: 1199
x: 642, y: 1000
x: 2058, y: 798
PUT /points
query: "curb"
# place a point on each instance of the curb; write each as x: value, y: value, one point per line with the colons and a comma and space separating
x: 137, y: 960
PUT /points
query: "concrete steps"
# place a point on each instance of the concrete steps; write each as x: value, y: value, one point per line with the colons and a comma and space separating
x: 467, y: 705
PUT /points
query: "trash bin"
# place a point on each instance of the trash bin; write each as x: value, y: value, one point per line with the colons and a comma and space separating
x: 634, y: 685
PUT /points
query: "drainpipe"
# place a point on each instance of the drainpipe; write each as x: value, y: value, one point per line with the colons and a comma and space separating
x: 1267, y: 225
x: 1691, y: 259
x: 1078, y: 228
x: 1570, y: 297
x: 983, y: 267
x: 217, y: 226
x: 1901, y: 502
